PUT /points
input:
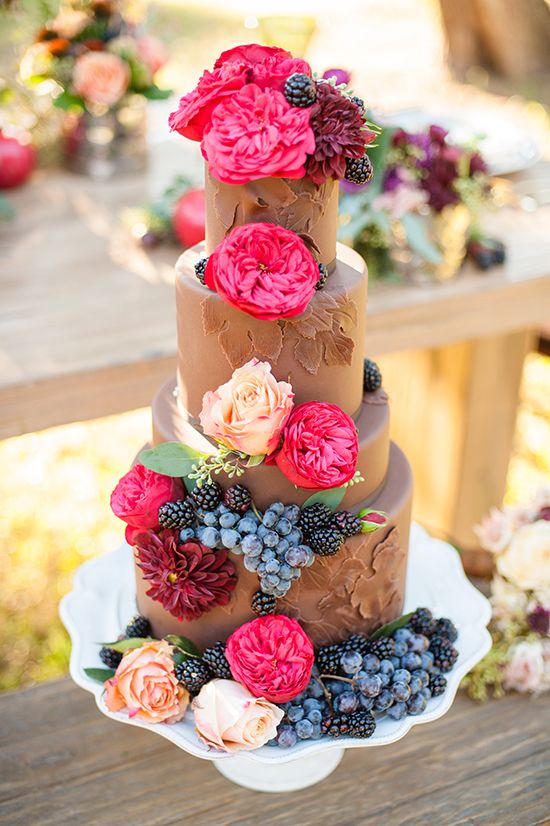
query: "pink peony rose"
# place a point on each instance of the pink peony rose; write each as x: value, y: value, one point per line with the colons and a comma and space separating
x: 230, y: 718
x: 249, y: 411
x: 272, y: 656
x: 264, y: 270
x: 269, y: 66
x: 525, y: 670
x: 152, y: 52
x: 146, y: 685
x: 319, y: 447
x: 195, y: 109
x: 101, y: 78
x: 138, y: 496
x: 257, y: 134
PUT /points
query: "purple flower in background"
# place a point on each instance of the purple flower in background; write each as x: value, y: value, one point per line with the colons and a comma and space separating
x: 393, y: 179
x: 544, y: 513
x: 340, y: 75
x: 349, y: 186
x: 539, y: 620
x: 437, y: 134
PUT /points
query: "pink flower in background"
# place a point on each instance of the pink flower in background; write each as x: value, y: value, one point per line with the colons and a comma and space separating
x: 145, y: 684
x: 269, y: 66
x: 257, y: 134
x: 401, y: 200
x: 249, y: 411
x: 264, y: 270
x: 139, y: 494
x: 525, y: 670
x: 319, y: 447
x: 228, y: 717
x: 153, y: 52
x: 272, y: 656
x: 101, y: 78
x: 340, y: 76
x: 495, y: 530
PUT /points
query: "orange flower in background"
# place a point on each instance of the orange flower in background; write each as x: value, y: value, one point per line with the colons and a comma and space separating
x: 101, y: 78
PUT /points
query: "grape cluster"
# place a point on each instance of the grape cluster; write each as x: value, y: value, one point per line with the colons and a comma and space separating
x: 303, y: 716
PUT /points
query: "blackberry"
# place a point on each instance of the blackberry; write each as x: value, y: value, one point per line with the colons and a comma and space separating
x: 362, y: 723
x: 372, y: 377
x: 437, y: 684
x: 359, y: 170
x: 193, y: 674
x: 215, y: 659
x: 180, y: 514
x: 446, y: 628
x: 422, y: 621
x: 383, y: 648
x: 347, y: 523
x: 110, y: 657
x: 138, y: 627
x: 357, y: 642
x: 336, y: 725
x: 237, y: 498
x: 323, y: 275
x: 328, y: 658
x: 208, y: 496
x: 300, y: 90
x: 315, y: 516
x: 200, y: 267
x: 326, y: 541
x: 359, y: 102
x: 444, y: 653
x: 263, y: 604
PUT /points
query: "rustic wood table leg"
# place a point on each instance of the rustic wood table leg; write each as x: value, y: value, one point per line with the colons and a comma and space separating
x: 454, y: 413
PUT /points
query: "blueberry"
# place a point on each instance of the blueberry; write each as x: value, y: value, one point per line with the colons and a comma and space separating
x: 386, y: 679
x: 411, y: 661
x: 304, y: 729
x: 426, y: 693
x: 371, y: 685
x: 401, y: 675
x: 270, y: 519
x: 295, y: 536
x: 251, y: 545
x: 230, y: 538
x: 222, y: 508
x: 210, y: 519
x: 262, y: 530
x: 261, y: 568
x: 397, y: 712
x: 348, y: 702
x: 292, y: 513
x: 315, y: 715
x: 366, y: 702
x: 297, y: 557
x: 402, y: 634
x: 350, y: 662
x: 272, y: 566
x: 199, y: 533
x: 415, y: 684
x: 268, y: 553
x: 285, y: 571
x: 278, y: 508
x: 251, y: 563
x: 371, y: 663
x: 384, y: 700
x: 422, y: 675
x: 228, y: 520
x: 401, y: 691
x: 417, y: 704
x: 387, y: 667
x: 272, y: 742
x: 295, y: 713
x: 316, y: 733
x: 272, y: 580
x: 286, y: 737
x: 401, y: 648
x: 336, y: 687
x: 271, y: 539
x: 311, y: 558
x: 210, y: 537
x: 310, y: 702
x: 283, y: 527
x: 247, y: 525
x: 281, y: 590
x: 396, y: 662
x: 186, y: 534
x: 283, y: 546
x: 315, y: 689
x: 418, y: 643
x: 427, y: 660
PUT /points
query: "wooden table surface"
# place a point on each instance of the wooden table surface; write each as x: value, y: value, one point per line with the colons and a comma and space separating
x: 62, y: 763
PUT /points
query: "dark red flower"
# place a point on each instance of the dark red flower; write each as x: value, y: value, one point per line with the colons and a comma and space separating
x: 539, y: 620
x: 339, y: 131
x: 186, y: 578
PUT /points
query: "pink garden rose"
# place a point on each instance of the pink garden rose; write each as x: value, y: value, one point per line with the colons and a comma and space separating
x: 249, y: 411
x: 525, y: 670
x: 264, y: 270
x: 319, y: 447
x: 138, y: 496
x: 272, y: 656
x: 228, y: 717
x: 101, y: 78
x: 152, y: 52
x: 257, y: 134
x: 269, y: 66
x: 145, y: 684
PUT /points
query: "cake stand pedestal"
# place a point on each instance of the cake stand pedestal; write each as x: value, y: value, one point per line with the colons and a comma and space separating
x: 103, y: 599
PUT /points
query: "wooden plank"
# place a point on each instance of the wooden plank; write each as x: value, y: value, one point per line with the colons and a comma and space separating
x: 62, y: 762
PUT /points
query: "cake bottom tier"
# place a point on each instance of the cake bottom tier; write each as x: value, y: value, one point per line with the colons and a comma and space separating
x: 357, y: 590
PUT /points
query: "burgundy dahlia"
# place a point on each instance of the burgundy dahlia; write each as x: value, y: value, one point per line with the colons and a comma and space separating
x: 339, y: 131
x: 185, y: 577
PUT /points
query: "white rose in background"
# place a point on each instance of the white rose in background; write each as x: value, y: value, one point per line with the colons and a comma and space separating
x: 526, y: 560
x: 526, y: 670
x: 508, y: 602
x: 495, y: 530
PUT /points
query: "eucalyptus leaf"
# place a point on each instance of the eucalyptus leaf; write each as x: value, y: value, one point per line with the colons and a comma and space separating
x: 390, y: 627
x: 170, y: 458
x: 66, y: 101
x: 331, y: 497
x: 183, y: 644
x: 418, y: 239
x: 100, y: 674
x: 126, y: 645
x: 254, y: 461
x: 154, y: 93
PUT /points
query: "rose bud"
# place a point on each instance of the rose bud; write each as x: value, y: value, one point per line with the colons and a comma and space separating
x: 372, y: 520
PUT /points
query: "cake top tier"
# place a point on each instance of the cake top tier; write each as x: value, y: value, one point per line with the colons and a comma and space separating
x: 261, y: 114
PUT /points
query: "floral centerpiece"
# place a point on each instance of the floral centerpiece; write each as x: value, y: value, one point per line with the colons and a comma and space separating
x: 103, y: 69
x: 519, y: 539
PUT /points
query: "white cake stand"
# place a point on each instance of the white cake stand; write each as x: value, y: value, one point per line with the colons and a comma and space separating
x: 103, y: 599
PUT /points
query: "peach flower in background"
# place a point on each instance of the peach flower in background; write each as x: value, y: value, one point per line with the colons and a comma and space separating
x: 101, y: 78
x: 526, y: 561
x: 229, y: 718
x: 70, y: 22
x: 146, y: 685
x: 153, y: 52
x: 248, y: 412
x: 495, y: 530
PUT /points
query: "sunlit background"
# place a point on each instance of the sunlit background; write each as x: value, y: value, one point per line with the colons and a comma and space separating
x: 55, y: 485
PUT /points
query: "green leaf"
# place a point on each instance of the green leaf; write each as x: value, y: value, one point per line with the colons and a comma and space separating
x: 183, y: 645
x: 331, y: 497
x: 154, y: 93
x: 100, y: 674
x: 126, y: 645
x: 390, y: 627
x: 418, y: 238
x: 170, y: 458
x: 67, y: 101
x: 254, y: 461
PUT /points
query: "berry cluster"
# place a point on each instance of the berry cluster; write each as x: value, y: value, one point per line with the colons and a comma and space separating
x: 303, y: 716
x: 137, y: 627
x: 324, y: 530
x: 194, y: 672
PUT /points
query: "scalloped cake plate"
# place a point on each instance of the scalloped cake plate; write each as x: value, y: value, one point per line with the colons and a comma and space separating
x: 103, y: 599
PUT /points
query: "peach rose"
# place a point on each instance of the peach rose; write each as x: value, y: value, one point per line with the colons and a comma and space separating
x: 229, y: 718
x: 70, y: 22
x: 248, y: 412
x: 146, y: 685
x: 101, y: 77
x: 526, y: 561
x: 153, y: 52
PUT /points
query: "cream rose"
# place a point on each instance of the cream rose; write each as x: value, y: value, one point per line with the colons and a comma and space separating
x: 248, y: 412
x: 230, y: 718
x: 145, y: 684
x: 70, y: 22
x: 526, y: 560
x: 101, y: 77
x: 525, y: 670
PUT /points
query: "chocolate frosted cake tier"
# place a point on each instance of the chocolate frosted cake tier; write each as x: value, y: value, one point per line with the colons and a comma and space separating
x: 320, y: 352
